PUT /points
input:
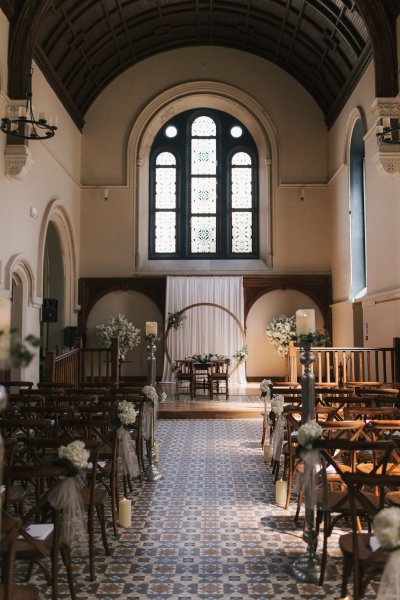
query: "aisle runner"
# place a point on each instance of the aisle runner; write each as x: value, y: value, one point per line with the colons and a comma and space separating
x: 209, y: 529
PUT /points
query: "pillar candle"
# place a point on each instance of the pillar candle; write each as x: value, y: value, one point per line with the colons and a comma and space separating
x: 281, y: 492
x: 125, y: 512
x: 5, y: 322
x: 151, y: 328
x: 267, y: 453
x: 305, y: 321
x: 156, y: 449
x: 386, y: 122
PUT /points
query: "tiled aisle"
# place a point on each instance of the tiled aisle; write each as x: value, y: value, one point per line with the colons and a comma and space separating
x: 209, y: 529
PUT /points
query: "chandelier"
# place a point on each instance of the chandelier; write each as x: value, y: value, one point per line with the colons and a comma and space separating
x: 21, y: 123
x: 389, y: 131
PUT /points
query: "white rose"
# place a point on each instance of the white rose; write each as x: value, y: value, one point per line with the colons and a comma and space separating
x: 386, y: 527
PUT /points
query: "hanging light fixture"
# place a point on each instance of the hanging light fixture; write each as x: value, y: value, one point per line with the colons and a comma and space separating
x: 21, y: 123
x: 389, y: 131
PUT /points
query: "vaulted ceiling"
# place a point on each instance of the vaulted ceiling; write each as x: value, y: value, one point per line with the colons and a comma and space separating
x: 82, y: 45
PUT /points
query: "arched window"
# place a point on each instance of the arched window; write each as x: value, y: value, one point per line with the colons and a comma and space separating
x: 203, y: 188
x: 357, y: 211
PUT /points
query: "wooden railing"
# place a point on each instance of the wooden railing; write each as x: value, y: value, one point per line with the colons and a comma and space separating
x: 84, y: 365
x: 341, y: 365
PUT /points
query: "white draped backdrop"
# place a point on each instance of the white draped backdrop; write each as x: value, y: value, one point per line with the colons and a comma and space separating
x: 206, y: 329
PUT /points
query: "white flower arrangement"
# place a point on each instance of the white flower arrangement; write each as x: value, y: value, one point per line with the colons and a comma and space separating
x: 265, y: 386
x: 308, y: 434
x: 280, y: 331
x: 126, y: 413
x: 277, y: 405
x: 149, y: 392
x: 386, y: 527
x: 241, y: 355
x: 76, y: 453
x: 119, y: 327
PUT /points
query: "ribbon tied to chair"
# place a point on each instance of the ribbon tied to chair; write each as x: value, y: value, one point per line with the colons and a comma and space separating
x: 66, y: 496
x: 127, y: 453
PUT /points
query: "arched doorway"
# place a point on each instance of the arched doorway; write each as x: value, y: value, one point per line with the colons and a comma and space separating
x: 52, y: 326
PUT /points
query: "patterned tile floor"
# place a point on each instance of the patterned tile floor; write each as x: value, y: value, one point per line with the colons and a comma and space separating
x: 210, y: 529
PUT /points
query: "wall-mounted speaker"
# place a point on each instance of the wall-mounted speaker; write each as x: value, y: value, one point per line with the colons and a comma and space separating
x: 50, y: 310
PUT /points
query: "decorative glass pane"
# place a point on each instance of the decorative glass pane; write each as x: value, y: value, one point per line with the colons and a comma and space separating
x: 166, y: 158
x: 204, y: 195
x: 204, y: 157
x: 242, y: 233
x: 165, y: 232
x: 241, y: 188
x: 203, y: 236
x: 204, y: 127
x: 241, y: 158
x: 166, y: 187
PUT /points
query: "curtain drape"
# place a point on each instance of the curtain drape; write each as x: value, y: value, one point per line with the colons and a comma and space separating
x: 206, y: 329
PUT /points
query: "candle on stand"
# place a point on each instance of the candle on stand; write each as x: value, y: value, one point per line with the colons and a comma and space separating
x: 151, y: 328
x: 305, y: 321
x: 281, y: 493
x: 5, y: 323
x: 125, y: 512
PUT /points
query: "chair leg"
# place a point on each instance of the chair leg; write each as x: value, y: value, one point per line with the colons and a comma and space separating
x: 66, y: 556
x: 289, y: 487
x: 324, y: 547
x: 91, y: 544
x: 101, y: 516
x: 299, y: 501
x: 346, y: 570
x: 114, y: 501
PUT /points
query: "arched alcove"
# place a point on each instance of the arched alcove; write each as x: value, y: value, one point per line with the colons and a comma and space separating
x: 138, y: 308
x: 263, y: 360
x: 211, y: 95
x: 53, y: 314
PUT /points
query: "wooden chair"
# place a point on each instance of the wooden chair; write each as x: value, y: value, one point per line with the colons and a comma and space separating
x: 30, y: 548
x: 10, y: 528
x: 333, y: 504
x: 185, y: 378
x: 355, y: 546
x: 382, y: 429
x: 218, y: 378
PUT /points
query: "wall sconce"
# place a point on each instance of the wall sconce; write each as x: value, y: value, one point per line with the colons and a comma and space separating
x: 302, y: 194
x: 105, y: 194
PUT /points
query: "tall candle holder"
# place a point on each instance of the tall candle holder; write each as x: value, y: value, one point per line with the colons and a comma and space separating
x: 307, y: 568
x: 152, y: 472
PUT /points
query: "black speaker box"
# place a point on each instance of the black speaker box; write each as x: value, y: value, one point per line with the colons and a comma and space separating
x: 50, y: 310
x: 70, y: 334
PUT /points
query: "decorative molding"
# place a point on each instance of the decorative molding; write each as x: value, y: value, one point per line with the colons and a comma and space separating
x: 386, y: 107
x: 387, y: 159
x: 17, y: 161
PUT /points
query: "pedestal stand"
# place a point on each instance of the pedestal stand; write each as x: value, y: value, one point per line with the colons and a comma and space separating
x: 151, y: 472
x: 307, y: 568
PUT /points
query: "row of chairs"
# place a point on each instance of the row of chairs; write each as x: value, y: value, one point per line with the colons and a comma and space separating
x: 211, y: 377
x: 360, y: 461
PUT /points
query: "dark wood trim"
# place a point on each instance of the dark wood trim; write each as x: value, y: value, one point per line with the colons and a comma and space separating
x: 317, y: 287
x: 91, y: 289
x: 382, y: 31
x: 58, y: 87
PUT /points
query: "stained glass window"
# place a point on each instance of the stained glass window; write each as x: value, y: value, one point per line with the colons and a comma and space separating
x: 203, y: 188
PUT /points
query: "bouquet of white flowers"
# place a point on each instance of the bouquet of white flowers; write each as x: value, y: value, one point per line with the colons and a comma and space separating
x: 75, y: 454
x: 126, y: 413
x: 119, y: 327
x: 242, y: 354
x: 386, y: 526
x: 308, y: 434
x: 280, y: 331
x: 265, y: 387
x: 277, y: 405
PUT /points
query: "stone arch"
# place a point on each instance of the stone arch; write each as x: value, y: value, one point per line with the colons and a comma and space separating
x: 209, y: 94
x: 57, y: 214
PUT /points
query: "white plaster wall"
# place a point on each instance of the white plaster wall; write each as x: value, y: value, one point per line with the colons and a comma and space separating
x: 263, y: 360
x: 54, y: 174
x: 342, y: 324
x: 293, y: 112
x: 300, y: 230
